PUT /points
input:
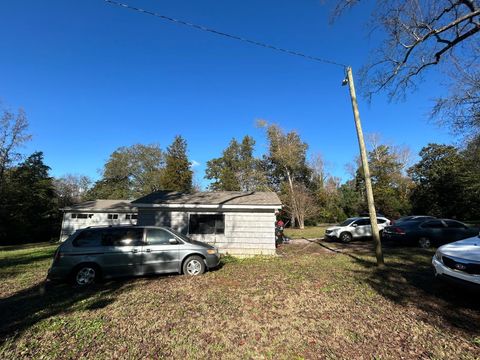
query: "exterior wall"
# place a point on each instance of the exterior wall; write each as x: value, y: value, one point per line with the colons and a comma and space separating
x: 69, y: 225
x: 247, y: 232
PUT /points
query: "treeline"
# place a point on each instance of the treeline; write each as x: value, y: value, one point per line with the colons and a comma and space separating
x: 445, y: 182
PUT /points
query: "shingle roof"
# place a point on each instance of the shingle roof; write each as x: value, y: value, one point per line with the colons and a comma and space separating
x: 102, y: 205
x: 211, y: 198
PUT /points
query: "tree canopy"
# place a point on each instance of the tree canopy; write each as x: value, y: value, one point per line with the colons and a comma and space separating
x: 177, y: 174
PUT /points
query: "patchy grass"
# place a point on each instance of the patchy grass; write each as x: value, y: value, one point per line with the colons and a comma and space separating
x: 21, y: 266
x: 310, y: 302
x: 310, y: 232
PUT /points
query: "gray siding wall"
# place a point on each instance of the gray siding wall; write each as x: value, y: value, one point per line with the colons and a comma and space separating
x: 247, y: 233
x: 69, y: 225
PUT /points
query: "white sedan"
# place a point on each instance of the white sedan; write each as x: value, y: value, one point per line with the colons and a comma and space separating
x: 459, y: 260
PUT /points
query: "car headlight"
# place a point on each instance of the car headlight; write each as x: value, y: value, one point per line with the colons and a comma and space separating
x: 212, y: 251
x: 438, y: 255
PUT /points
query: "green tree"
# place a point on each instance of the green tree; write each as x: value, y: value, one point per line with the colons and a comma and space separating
x: 177, y: 174
x: 391, y: 187
x: 237, y: 169
x: 31, y: 203
x: 129, y: 173
x: 471, y: 157
x: 442, y: 182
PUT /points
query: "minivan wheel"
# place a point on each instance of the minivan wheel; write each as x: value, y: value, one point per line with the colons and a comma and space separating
x: 424, y: 242
x: 194, y: 266
x: 346, y: 237
x: 85, y: 275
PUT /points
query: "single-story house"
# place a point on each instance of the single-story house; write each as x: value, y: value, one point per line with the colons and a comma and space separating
x: 96, y: 213
x: 238, y: 223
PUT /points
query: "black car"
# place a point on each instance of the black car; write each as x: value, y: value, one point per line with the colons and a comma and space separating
x: 413, y: 218
x: 427, y: 232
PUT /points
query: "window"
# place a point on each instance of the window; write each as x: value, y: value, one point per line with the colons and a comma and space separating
x: 112, y: 216
x: 130, y: 216
x: 452, y: 224
x: 122, y: 237
x: 82, y: 216
x: 207, y: 224
x: 88, y: 238
x: 362, y: 222
x: 159, y: 237
x: 381, y: 221
x: 433, y: 224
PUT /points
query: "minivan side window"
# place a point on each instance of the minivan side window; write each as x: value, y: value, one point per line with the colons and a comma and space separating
x: 88, y: 238
x: 158, y: 237
x: 122, y: 237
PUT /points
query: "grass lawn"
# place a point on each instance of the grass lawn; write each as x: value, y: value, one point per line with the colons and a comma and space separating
x: 310, y: 303
x: 310, y: 232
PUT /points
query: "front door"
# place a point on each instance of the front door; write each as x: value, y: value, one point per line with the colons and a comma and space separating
x: 363, y: 228
x: 122, y: 251
x: 161, y: 252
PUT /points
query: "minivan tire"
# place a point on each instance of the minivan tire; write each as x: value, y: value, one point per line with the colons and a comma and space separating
x: 193, y: 266
x: 85, y: 274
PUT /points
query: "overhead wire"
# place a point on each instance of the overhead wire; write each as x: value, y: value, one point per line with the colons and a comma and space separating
x: 224, y: 34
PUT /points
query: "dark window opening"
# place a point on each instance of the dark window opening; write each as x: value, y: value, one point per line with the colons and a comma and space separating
x: 112, y: 216
x: 82, y: 216
x: 207, y: 224
x: 131, y: 216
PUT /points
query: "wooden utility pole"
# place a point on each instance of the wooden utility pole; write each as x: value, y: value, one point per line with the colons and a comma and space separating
x: 366, y: 170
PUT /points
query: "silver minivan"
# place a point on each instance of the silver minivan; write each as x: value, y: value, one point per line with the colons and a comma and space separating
x: 94, y: 253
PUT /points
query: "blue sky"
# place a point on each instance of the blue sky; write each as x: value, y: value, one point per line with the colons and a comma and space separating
x: 93, y: 77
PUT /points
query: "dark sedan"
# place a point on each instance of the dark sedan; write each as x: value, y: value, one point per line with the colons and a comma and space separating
x: 426, y: 232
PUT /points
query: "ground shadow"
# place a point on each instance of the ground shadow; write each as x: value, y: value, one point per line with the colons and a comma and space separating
x: 29, y: 306
x: 408, y: 280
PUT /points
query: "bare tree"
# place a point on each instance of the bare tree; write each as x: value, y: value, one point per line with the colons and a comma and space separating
x: 419, y: 35
x: 71, y: 188
x: 287, y: 155
x: 13, y: 134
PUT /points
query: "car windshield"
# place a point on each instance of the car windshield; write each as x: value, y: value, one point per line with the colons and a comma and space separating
x: 346, y: 222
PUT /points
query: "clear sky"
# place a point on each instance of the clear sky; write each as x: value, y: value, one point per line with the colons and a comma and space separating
x: 93, y: 77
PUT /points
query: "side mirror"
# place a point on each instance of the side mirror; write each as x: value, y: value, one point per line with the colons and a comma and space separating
x: 172, y: 241
x: 354, y: 225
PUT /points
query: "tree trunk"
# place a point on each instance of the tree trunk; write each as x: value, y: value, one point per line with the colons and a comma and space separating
x: 293, y: 200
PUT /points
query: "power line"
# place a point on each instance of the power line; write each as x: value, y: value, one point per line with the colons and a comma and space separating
x: 220, y: 33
